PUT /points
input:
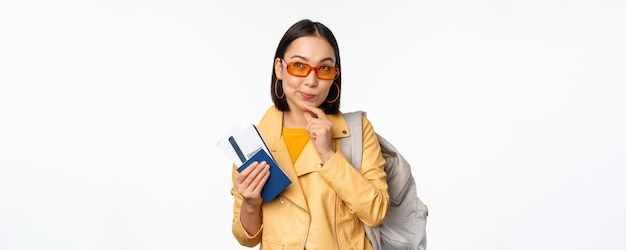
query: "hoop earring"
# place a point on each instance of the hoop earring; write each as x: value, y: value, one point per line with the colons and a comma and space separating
x: 336, y: 97
x: 276, y: 89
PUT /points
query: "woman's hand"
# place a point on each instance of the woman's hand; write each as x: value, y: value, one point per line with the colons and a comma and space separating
x: 320, y: 130
x: 250, y: 182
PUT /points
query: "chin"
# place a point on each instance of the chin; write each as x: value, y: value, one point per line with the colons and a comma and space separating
x: 315, y: 104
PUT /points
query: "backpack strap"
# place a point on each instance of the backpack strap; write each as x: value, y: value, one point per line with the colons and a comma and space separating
x: 351, y: 146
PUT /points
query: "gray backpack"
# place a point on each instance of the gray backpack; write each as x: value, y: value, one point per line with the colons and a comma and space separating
x: 404, y: 226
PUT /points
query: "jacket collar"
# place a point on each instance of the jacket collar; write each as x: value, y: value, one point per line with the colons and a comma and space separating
x: 271, y: 125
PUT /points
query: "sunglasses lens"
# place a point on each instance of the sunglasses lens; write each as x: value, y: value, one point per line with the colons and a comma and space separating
x: 298, y: 69
x: 326, y: 72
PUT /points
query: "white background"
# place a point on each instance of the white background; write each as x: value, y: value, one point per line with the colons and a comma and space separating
x: 512, y: 114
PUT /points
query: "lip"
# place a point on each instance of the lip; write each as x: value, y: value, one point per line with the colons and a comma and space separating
x: 307, y: 96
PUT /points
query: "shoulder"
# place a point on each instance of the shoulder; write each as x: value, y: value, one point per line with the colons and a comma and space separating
x: 270, y: 126
x: 271, y: 116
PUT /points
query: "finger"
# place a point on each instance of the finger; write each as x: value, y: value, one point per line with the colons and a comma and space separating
x: 251, y: 173
x: 317, y: 112
x: 260, y: 172
x: 263, y: 177
x: 249, y: 169
x: 243, y: 175
x: 256, y: 185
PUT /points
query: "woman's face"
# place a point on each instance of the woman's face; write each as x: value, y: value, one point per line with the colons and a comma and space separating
x: 305, y: 90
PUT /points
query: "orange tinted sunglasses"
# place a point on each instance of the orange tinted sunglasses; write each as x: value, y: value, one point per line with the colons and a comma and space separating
x: 302, y: 69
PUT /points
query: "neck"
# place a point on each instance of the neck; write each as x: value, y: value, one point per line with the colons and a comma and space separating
x: 294, y: 119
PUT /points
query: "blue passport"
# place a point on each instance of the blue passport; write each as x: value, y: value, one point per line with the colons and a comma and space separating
x: 278, y: 180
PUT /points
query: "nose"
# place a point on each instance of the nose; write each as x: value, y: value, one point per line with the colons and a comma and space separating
x: 311, y: 79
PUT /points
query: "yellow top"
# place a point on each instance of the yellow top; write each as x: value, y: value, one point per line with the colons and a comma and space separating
x: 296, y: 139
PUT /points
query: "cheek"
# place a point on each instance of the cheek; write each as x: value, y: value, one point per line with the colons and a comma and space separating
x: 290, y: 83
x: 326, y: 86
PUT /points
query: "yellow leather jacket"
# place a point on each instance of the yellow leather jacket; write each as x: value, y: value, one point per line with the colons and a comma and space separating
x: 324, y: 207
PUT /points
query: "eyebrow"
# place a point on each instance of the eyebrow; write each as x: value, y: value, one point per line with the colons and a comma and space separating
x: 306, y: 59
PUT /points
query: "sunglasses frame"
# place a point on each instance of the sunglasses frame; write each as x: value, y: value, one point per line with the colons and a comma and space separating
x: 311, y: 68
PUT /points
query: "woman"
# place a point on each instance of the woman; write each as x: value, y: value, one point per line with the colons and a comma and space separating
x: 329, y: 201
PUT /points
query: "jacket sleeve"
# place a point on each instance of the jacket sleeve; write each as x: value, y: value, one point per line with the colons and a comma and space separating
x: 365, y: 192
x: 237, y: 228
